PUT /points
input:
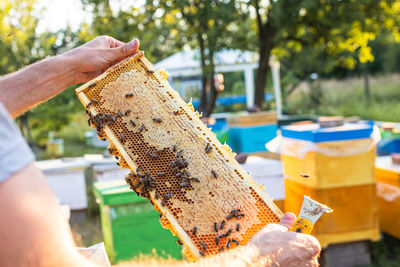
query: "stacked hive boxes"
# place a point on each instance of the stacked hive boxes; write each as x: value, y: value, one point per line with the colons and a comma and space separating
x: 388, y: 190
x: 340, y: 164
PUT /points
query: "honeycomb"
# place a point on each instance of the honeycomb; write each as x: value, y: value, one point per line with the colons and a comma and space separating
x: 202, y: 194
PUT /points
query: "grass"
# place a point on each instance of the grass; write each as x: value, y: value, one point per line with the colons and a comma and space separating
x: 386, y: 253
x: 87, y: 233
x: 346, y: 98
x: 72, y: 149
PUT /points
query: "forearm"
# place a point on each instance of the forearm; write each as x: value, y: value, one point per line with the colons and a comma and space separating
x: 28, y: 87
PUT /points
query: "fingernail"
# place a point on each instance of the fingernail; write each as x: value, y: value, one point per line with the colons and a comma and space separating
x: 288, y: 217
x: 133, y: 44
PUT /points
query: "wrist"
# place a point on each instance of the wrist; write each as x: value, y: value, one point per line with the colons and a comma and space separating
x: 66, y: 68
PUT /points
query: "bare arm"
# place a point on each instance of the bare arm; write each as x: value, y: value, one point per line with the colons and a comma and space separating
x: 34, y: 233
x: 25, y: 89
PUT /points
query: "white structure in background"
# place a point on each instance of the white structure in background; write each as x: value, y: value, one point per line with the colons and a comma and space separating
x: 276, y: 81
x: 185, y: 71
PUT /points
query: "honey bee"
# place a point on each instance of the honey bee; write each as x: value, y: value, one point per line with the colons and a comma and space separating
x: 228, y: 232
x: 228, y: 245
x: 196, y: 179
x: 129, y: 95
x: 208, y: 148
x: 203, y: 246
x: 92, y: 85
x: 222, y: 225
x: 235, y: 211
x: 230, y: 216
x: 216, y: 238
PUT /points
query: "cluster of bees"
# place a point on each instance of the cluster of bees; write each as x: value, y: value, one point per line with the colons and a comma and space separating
x: 144, y: 183
x: 219, y: 237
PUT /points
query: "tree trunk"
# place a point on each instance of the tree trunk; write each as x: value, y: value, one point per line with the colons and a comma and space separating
x: 28, y: 133
x: 212, y: 92
x: 204, y: 80
x: 262, y: 71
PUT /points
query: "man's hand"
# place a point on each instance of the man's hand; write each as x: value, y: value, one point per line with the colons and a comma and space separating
x: 94, y: 57
x: 24, y: 89
x: 286, y: 248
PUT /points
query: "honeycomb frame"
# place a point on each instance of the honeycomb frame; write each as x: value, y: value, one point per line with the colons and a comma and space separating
x: 203, y: 195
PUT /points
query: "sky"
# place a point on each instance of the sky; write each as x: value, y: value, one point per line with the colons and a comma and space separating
x: 57, y: 14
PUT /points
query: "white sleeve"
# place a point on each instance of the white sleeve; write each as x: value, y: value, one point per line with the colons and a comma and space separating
x: 15, y: 153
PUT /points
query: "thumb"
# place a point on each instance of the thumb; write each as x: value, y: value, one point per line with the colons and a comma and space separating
x: 288, y: 219
x: 125, y: 50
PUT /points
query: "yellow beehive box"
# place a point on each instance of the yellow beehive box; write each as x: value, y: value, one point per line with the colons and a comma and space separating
x: 329, y: 157
x: 355, y: 215
x: 252, y: 119
x: 389, y: 208
x: 386, y: 171
x: 388, y: 191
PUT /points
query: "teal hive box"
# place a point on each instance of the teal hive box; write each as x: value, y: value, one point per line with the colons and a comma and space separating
x: 252, y: 138
x: 130, y: 224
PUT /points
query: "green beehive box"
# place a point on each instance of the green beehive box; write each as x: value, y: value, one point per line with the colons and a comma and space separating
x: 130, y: 224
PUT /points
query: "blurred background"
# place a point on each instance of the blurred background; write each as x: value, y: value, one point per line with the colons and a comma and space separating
x: 294, y: 59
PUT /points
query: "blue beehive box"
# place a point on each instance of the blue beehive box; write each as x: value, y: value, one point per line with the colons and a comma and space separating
x: 252, y: 138
x: 316, y: 134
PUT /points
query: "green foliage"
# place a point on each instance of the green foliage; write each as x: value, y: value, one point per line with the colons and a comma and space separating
x: 157, y: 31
x: 54, y: 114
x: 316, y: 36
x: 17, y: 34
x: 234, y: 84
x: 386, y: 252
x: 346, y: 98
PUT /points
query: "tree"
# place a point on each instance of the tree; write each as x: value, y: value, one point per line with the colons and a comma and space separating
x: 157, y: 31
x: 343, y: 29
x: 19, y: 44
x: 210, y: 26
